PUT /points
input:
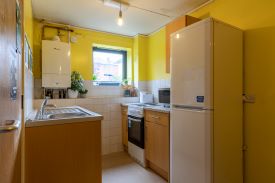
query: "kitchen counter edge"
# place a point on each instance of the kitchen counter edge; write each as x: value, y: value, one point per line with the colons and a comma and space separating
x: 36, y: 123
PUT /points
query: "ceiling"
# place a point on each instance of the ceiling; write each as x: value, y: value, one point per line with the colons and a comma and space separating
x: 93, y: 14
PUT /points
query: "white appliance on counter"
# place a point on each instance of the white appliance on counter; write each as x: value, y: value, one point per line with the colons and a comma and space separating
x: 206, y: 101
x: 56, y: 64
x: 145, y: 97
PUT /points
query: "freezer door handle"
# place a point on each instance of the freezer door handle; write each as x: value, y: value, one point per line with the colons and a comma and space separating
x: 9, y: 125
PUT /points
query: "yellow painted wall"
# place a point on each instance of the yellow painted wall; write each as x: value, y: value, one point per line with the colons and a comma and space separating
x: 257, y: 18
x: 245, y: 14
x: 260, y: 118
x: 141, y: 58
x: 157, y: 56
x: 147, y: 52
x: 28, y: 21
x: 81, y: 51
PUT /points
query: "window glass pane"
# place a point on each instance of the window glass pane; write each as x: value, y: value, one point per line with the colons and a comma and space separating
x: 108, y: 66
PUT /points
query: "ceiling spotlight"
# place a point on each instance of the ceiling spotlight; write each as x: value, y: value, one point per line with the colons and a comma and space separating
x: 120, y: 20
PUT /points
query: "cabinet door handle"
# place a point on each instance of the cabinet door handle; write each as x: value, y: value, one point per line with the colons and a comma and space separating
x: 155, y: 117
x: 9, y: 125
x: 145, y: 133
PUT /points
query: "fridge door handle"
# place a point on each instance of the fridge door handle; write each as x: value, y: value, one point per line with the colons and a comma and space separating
x: 9, y: 125
x: 190, y: 107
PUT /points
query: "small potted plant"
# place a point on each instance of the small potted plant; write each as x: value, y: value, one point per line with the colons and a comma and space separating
x: 83, y: 93
x: 126, y: 87
x: 76, y: 84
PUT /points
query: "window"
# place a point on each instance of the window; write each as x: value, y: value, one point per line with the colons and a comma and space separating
x: 110, y: 66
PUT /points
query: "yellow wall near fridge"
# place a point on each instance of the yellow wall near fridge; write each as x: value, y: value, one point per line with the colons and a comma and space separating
x: 28, y: 21
x: 140, y: 58
x: 259, y: 117
x: 245, y: 14
x: 257, y: 18
x: 157, y: 56
x: 81, y: 51
x: 150, y: 56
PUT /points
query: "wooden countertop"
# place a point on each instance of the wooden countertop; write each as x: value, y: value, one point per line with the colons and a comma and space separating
x: 156, y: 108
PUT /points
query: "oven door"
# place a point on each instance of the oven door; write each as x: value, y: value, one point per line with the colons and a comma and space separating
x: 136, y: 130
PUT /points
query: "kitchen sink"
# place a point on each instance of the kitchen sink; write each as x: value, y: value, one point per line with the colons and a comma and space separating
x: 65, y: 115
x: 62, y: 113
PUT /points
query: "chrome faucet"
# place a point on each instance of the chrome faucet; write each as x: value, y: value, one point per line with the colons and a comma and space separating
x: 43, y: 106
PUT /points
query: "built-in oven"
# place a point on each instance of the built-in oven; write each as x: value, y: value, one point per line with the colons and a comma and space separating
x: 136, y: 130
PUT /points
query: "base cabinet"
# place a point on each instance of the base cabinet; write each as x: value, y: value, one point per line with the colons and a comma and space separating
x: 68, y: 153
x: 157, y: 142
x: 124, y: 120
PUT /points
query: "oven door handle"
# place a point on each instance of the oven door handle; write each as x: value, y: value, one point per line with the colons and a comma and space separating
x: 132, y: 119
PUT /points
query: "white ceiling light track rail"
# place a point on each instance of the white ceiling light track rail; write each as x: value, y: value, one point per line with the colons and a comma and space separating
x: 123, y: 6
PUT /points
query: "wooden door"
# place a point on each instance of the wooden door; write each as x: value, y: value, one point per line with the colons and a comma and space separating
x: 148, y: 141
x: 124, y: 121
x: 10, y: 95
x: 157, y: 145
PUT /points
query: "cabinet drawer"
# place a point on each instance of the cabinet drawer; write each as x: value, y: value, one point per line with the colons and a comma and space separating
x: 124, y: 110
x: 157, y: 117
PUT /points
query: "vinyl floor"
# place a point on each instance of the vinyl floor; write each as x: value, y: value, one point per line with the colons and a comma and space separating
x: 120, y: 168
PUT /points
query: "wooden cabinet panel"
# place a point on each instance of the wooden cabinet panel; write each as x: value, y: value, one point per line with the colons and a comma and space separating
x: 10, y: 109
x: 157, y: 117
x: 157, y: 141
x: 124, y: 120
x: 64, y: 153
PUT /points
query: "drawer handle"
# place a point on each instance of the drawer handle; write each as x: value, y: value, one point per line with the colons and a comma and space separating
x: 9, y: 125
x: 155, y: 117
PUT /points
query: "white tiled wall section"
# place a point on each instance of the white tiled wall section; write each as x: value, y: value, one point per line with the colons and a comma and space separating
x: 28, y: 92
x: 153, y: 86
x: 109, y: 107
x: 93, y: 91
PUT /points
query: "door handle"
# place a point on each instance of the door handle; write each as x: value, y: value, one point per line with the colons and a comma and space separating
x: 9, y: 125
x: 155, y: 117
x: 132, y: 119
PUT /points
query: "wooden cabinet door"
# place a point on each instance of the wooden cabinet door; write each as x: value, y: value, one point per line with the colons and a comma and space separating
x: 10, y: 95
x: 157, y: 145
x: 149, y: 140
x: 125, y: 130
x: 124, y: 120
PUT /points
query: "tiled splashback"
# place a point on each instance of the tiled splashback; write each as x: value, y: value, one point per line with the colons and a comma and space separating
x: 93, y: 91
x: 97, y: 91
x: 153, y: 86
x: 110, y: 108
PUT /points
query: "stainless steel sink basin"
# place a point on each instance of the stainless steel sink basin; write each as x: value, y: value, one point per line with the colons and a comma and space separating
x: 65, y: 115
x: 62, y: 113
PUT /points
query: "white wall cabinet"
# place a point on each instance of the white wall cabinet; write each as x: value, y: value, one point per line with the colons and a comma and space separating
x: 56, y: 64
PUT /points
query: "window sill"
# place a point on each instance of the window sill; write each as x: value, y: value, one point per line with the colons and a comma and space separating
x: 106, y: 84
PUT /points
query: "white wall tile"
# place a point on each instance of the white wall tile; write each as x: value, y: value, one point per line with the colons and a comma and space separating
x: 115, y: 132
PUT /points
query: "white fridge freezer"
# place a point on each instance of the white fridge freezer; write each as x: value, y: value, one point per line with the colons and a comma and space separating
x: 206, y: 99
x: 192, y: 141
